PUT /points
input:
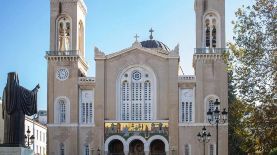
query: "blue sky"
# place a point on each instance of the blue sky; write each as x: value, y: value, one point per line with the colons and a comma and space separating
x: 110, y: 25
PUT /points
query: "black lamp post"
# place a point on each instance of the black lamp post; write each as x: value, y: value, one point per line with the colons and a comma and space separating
x: 204, y: 137
x: 29, y: 139
x: 215, y: 118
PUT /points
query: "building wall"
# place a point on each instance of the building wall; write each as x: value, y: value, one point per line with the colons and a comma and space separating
x: 38, y: 130
x: 1, y: 124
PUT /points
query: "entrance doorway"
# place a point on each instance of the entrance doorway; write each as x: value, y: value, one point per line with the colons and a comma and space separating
x: 157, y: 147
x: 136, y: 148
x: 116, y: 148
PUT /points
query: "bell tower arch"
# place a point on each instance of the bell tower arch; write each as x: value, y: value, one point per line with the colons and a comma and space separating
x: 67, y: 25
x: 210, y: 23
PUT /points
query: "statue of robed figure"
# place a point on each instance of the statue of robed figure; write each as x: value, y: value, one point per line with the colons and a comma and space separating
x: 17, y: 102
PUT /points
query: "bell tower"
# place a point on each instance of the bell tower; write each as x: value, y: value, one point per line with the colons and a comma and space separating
x: 209, y: 66
x: 66, y: 65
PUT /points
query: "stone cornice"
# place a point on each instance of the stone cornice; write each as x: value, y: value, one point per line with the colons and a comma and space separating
x: 206, y: 57
x: 68, y: 58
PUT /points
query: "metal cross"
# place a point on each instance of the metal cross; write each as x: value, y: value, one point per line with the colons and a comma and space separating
x: 151, y: 33
x: 136, y: 36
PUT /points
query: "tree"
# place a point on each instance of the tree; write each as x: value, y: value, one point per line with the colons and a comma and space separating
x: 237, y: 111
x: 254, y: 75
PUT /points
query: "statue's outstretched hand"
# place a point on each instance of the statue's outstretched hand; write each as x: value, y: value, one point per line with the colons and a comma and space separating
x: 38, y: 86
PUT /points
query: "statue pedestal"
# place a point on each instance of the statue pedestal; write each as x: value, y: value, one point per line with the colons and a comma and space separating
x: 6, y: 150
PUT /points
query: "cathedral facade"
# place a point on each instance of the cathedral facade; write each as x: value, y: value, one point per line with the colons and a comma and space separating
x: 137, y: 103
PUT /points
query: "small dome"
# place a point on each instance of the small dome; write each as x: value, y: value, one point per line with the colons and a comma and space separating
x: 154, y: 44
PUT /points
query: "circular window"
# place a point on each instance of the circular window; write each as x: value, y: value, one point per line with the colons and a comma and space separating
x: 136, y: 75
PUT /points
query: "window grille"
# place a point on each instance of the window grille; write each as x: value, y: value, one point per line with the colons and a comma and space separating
x: 62, y: 111
x: 187, y: 149
x: 136, y: 96
x: 61, y: 149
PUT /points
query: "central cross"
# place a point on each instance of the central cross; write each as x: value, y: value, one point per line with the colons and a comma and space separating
x: 136, y: 36
x: 151, y: 33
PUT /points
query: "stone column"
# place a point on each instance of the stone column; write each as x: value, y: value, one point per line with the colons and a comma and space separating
x: 126, y: 152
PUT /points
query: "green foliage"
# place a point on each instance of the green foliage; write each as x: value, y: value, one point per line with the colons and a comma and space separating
x: 273, y: 152
x: 252, y: 111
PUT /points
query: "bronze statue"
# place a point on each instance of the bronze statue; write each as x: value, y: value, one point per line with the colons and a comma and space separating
x: 17, y: 102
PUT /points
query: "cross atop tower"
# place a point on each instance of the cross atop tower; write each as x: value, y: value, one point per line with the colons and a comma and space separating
x: 136, y: 36
x: 151, y: 33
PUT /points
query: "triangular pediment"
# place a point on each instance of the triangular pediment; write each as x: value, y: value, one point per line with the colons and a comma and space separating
x: 137, y: 47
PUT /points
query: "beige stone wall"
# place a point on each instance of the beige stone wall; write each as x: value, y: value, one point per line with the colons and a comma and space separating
x: 211, y: 78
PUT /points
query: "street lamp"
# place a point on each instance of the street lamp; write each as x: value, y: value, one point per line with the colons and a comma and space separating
x: 215, y: 118
x: 204, y: 137
x: 29, y: 140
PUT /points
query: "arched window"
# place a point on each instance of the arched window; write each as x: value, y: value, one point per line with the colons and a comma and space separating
x: 64, y: 33
x: 62, y: 109
x: 62, y: 149
x: 187, y: 149
x: 186, y: 112
x: 207, y: 33
x: 136, y: 94
x: 211, y: 28
x: 86, y: 150
x: 81, y: 38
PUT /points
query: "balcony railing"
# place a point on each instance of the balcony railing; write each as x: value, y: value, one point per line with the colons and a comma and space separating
x: 210, y: 50
x: 128, y: 129
x: 63, y: 53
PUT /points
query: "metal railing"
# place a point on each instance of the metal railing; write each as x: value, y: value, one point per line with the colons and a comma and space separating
x: 63, y: 53
x: 210, y: 50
